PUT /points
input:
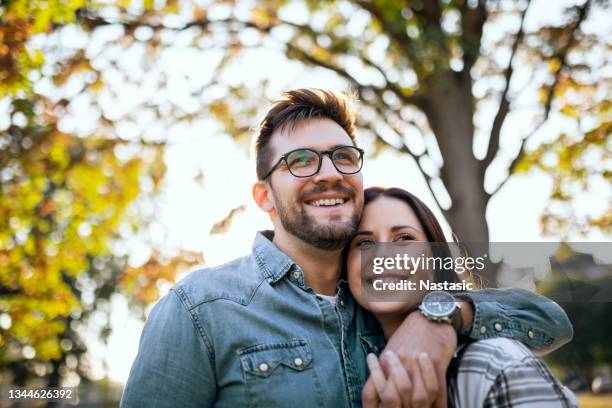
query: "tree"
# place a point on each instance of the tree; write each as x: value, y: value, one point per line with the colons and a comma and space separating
x: 67, y: 202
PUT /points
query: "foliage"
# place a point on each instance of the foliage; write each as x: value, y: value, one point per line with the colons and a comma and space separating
x: 582, y: 285
x: 68, y: 202
x: 590, y: 346
x: 22, y: 19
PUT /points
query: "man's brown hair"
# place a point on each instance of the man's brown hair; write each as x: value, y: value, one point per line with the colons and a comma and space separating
x: 295, y: 106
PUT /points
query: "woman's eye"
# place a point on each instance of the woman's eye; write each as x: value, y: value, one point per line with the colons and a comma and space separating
x: 364, y: 243
x: 404, y: 237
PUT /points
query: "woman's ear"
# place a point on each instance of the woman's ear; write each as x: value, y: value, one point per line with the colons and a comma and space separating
x: 263, y: 196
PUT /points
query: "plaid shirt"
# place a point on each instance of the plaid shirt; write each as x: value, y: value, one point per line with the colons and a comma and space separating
x: 503, y: 373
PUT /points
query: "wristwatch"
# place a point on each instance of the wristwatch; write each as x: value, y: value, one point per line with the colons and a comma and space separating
x: 441, y: 306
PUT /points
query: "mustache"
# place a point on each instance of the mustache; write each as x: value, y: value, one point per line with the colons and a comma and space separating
x: 338, y: 188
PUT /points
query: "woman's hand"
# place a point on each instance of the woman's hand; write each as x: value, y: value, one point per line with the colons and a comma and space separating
x: 390, y: 385
x: 417, y: 335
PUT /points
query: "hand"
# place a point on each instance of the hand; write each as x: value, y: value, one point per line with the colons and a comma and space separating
x: 389, y: 385
x: 438, y: 341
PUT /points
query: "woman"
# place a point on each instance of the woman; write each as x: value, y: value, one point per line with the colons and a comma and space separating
x: 494, y: 372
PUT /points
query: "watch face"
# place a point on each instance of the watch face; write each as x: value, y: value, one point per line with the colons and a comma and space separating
x: 439, y: 303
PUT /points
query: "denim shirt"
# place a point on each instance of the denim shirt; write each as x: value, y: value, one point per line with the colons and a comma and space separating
x: 250, y: 333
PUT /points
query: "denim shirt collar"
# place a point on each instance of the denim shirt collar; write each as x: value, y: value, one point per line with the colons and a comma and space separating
x: 273, y: 263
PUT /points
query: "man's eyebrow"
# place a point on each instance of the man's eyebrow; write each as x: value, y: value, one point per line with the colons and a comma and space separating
x: 330, y: 148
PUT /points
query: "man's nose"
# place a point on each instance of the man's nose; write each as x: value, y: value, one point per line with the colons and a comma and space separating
x: 327, y: 172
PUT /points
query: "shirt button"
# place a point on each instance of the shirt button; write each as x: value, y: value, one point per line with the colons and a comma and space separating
x: 341, y: 302
x: 530, y: 334
x: 298, y: 362
x: 296, y: 275
x: 498, y: 327
x: 483, y: 329
x: 263, y: 367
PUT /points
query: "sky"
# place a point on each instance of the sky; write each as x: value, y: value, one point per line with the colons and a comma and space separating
x: 189, y: 207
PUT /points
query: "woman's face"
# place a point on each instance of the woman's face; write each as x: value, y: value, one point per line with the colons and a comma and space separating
x: 386, y: 219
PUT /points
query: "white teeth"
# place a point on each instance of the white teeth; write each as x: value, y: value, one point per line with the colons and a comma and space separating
x: 328, y: 202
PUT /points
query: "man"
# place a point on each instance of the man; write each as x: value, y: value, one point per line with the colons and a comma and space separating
x: 279, y: 327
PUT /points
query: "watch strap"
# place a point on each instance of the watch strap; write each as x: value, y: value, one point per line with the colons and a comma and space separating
x: 457, y: 320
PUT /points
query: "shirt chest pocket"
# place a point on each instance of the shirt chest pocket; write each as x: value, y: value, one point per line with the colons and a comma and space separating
x: 280, y: 374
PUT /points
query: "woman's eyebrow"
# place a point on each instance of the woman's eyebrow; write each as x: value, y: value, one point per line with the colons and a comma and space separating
x: 363, y: 232
x: 399, y: 227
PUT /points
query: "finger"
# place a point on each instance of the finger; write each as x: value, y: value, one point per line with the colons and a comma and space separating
x: 420, y: 396
x: 376, y: 373
x: 442, y: 400
x: 389, y: 398
x: 369, y: 395
x: 429, y: 376
x: 400, y: 378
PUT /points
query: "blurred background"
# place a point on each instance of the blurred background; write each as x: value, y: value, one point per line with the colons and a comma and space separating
x: 125, y: 150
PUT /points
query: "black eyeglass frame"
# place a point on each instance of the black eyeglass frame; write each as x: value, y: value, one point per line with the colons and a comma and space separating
x: 329, y: 153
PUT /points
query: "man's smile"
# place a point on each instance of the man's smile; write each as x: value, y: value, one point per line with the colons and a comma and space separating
x: 333, y: 203
x: 335, y: 199
x: 327, y: 202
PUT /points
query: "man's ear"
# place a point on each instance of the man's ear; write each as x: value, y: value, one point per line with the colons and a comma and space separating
x: 262, y: 194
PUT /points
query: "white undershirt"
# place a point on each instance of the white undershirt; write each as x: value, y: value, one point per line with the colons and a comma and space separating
x: 331, y: 299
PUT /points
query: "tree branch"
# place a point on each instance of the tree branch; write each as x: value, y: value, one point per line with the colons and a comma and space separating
x: 309, y: 58
x: 415, y: 100
x: 432, y: 12
x: 404, y: 149
x: 562, y: 57
x: 471, y: 24
x: 389, y: 85
x: 504, y: 104
x: 8, y: 291
x: 91, y: 21
x: 400, y: 37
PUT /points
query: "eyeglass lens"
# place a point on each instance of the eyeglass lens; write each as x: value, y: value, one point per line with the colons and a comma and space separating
x: 305, y: 162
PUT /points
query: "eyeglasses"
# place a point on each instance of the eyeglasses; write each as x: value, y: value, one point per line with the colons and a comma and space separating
x: 305, y: 162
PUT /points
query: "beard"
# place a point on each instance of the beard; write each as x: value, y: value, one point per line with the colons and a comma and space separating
x: 329, y: 236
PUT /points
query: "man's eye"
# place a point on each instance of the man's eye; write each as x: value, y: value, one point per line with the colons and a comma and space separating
x: 301, y: 161
x: 346, y: 158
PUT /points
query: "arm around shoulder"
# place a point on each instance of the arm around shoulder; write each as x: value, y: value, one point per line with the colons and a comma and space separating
x: 534, y: 320
x: 174, y: 364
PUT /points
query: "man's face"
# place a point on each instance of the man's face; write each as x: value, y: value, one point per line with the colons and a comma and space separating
x: 322, y: 210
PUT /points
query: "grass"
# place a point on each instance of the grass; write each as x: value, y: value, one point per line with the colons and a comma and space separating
x: 595, y: 401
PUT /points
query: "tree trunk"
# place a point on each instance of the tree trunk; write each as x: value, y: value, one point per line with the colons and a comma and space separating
x: 449, y: 109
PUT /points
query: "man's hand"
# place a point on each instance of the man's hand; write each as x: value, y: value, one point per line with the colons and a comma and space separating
x: 438, y: 341
x: 389, y: 385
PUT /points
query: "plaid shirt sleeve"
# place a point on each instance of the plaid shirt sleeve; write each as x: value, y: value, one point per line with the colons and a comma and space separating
x: 503, y: 373
x: 528, y: 384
